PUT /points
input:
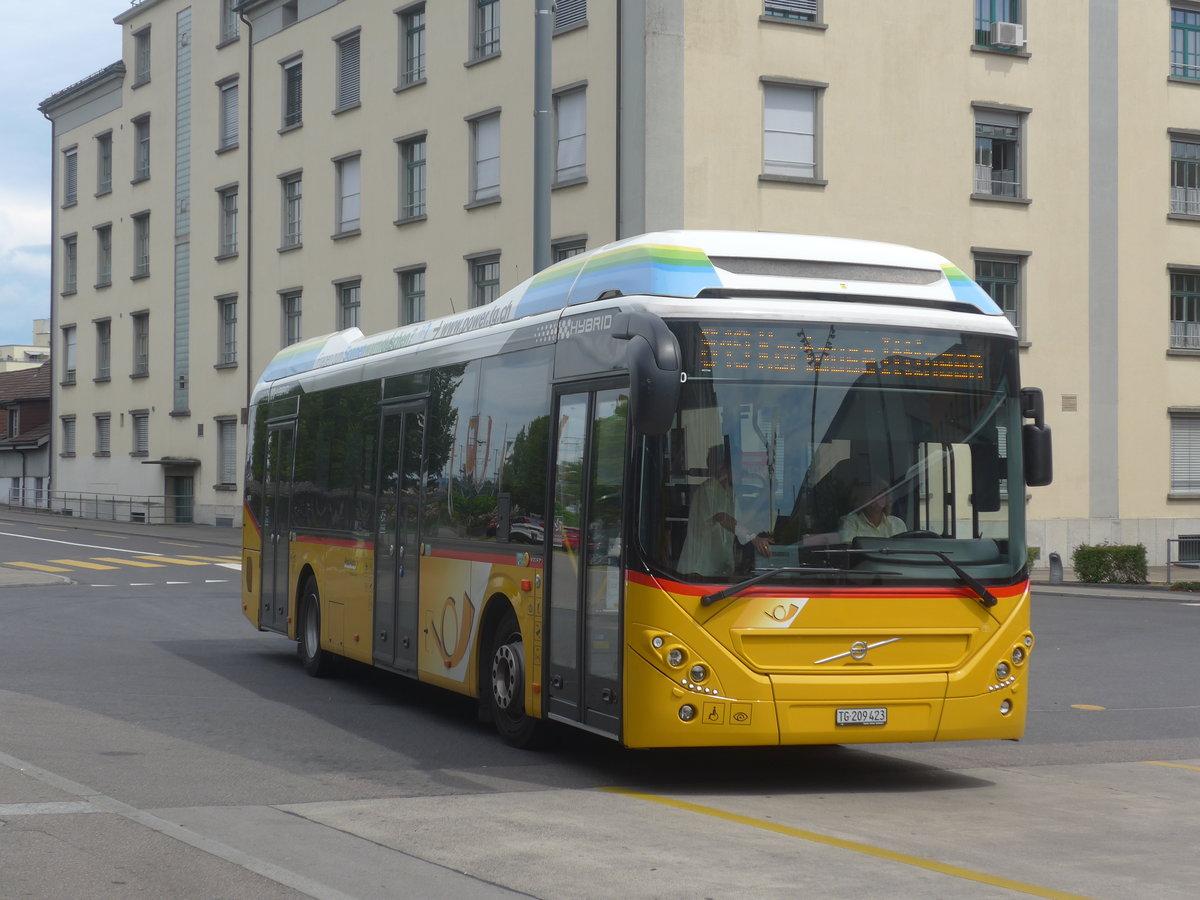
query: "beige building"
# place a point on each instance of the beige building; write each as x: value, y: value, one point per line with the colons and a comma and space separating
x: 15, y: 357
x: 237, y: 183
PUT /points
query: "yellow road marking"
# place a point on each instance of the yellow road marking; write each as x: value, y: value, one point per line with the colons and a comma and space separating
x: 855, y: 846
x: 81, y: 564
x: 215, y: 559
x: 1152, y: 762
x: 1087, y: 706
x: 38, y: 566
x: 127, y: 562
x: 173, y: 560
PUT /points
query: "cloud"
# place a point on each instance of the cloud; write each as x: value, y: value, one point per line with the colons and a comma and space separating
x: 24, y: 263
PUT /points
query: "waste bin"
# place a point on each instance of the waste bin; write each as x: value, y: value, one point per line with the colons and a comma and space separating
x: 1056, y: 569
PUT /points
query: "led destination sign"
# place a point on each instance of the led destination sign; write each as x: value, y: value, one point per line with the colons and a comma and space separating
x: 841, y: 352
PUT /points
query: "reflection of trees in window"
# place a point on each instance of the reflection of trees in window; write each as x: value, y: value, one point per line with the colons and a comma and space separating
x: 524, y: 473
x: 452, y: 389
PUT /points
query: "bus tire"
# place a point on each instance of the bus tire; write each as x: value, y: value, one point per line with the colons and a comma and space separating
x: 317, y: 662
x: 506, y: 685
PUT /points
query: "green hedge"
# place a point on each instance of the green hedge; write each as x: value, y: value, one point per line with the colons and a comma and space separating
x: 1110, y: 564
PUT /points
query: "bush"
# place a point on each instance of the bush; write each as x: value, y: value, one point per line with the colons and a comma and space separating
x: 1186, y: 586
x: 1110, y: 563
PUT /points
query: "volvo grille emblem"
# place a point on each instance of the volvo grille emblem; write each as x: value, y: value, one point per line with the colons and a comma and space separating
x: 858, y: 650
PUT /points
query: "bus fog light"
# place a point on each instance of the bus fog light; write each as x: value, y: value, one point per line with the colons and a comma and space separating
x: 656, y: 642
x: 1002, y: 670
x: 1028, y: 642
x: 675, y: 656
x: 1005, y: 707
x: 699, y: 672
x: 687, y: 712
x: 1018, y: 655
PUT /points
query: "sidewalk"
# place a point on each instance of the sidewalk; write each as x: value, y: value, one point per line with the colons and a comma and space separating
x: 21, y: 521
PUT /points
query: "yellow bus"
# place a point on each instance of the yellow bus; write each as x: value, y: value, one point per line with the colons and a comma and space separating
x: 687, y: 489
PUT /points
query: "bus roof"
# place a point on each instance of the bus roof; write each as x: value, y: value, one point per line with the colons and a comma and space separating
x: 679, y: 264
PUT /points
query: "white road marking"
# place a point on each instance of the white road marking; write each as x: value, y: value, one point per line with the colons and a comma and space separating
x: 30, y: 537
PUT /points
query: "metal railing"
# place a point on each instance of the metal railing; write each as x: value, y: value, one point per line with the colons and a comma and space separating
x: 1186, y: 555
x: 151, y: 509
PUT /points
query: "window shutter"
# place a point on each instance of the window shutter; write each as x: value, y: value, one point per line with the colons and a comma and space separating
x: 229, y: 115
x: 293, y: 103
x: 572, y: 136
x: 72, y: 178
x: 1185, y: 453
x: 792, y: 9
x: 348, y: 71
x: 228, y: 452
x: 571, y: 12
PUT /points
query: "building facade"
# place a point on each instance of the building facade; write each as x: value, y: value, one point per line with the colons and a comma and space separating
x: 293, y: 167
x: 25, y: 436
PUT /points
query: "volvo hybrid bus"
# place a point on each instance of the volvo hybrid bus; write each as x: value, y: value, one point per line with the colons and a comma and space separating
x: 687, y: 489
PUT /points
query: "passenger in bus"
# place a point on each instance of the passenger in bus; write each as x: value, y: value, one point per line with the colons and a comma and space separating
x: 870, y: 517
x: 709, y: 546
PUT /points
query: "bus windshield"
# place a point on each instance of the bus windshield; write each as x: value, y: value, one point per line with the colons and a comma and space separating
x: 834, y: 453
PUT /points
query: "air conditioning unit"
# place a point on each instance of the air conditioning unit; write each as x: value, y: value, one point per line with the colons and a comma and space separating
x: 1007, y: 34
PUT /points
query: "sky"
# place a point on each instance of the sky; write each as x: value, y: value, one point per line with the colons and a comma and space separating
x: 51, y: 44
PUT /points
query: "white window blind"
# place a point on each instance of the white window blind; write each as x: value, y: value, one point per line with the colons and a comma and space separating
x: 487, y: 158
x: 1185, y: 453
x: 70, y: 177
x: 789, y: 130
x: 347, y: 72
x: 227, y: 451
x: 803, y: 10
x: 349, y: 194
x: 571, y: 120
x: 103, y: 435
x: 571, y: 12
x: 229, y: 114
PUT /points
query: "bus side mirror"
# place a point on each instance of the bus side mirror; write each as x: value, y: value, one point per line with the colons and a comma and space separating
x: 1035, y: 440
x: 653, y: 370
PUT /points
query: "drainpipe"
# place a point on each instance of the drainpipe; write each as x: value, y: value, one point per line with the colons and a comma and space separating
x: 52, y: 465
x: 543, y: 131
x: 248, y: 230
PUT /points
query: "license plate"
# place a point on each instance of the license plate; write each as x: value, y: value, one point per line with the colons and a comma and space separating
x: 868, y: 715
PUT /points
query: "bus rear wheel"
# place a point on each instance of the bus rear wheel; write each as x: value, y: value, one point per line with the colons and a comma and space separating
x: 506, y: 685
x: 317, y: 662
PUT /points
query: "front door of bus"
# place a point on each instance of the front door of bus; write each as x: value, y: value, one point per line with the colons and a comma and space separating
x: 397, y: 503
x: 277, y: 509
x: 584, y: 622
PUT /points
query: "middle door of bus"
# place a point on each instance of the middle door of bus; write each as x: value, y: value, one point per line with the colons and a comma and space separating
x: 584, y: 624
x: 397, y: 504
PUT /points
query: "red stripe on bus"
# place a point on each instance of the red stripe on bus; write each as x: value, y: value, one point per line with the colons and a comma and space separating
x: 675, y: 587
x: 248, y: 516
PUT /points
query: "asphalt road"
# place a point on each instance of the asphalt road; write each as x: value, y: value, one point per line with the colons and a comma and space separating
x: 153, y: 744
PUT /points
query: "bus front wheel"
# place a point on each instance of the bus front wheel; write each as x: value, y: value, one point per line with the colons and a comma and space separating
x: 506, y: 685
x: 317, y: 662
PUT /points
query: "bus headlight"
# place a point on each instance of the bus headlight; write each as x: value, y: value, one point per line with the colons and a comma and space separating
x: 687, y: 712
x: 1018, y: 655
x: 675, y: 657
x: 1002, y: 670
x: 699, y: 672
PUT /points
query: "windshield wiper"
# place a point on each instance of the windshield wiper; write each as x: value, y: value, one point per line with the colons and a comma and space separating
x: 710, y: 599
x: 986, y: 597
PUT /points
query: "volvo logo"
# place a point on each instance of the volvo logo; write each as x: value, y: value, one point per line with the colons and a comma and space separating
x: 858, y: 651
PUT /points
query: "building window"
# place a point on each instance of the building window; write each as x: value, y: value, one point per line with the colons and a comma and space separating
x: 227, y: 236
x: 790, y: 131
x: 141, y: 152
x: 68, y: 435
x: 998, y: 153
x: 1185, y: 176
x: 570, y: 136
x: 1185, y: 452
x: 228, y: 126
x: 293, y: 195
x: 104, y: 163
x: 141, y: 57
x: 1185, y: 310
x: 412, y: 45
x: 291, y: 304
x: 412, y: 296
x: 349, y: 304
x: 141, y: 344
x: 486, y: 28
x: 70, y: 177
x: 141, y: 432
x: 1000, y: 276
x: 227, y: 329
x: 1185, y: 42
x: 485, y: 279
x: 485, y: 155
x: 70, y: 264
x: 141, y: 245
x: 792, y: 10
x: 991, y: 12
x: 567, y: 247
x: 103, y: 255
x: 103, y: 434
x: 293, y: 93
x: 68, y: 343
x: 347, y: 72
x: 412, y: 177
x: 227, y: 458
x: 230, y: 24
x: 349, y: 187
x: 568, y: 13
x: 103, y: 350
